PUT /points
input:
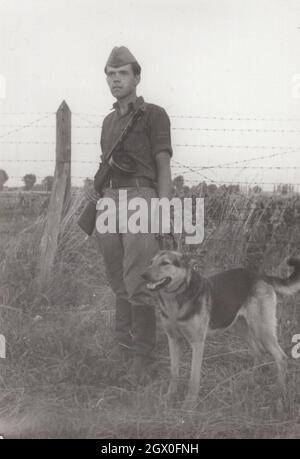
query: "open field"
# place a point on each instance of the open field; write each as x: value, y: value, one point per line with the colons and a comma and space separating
x: 57, y: 380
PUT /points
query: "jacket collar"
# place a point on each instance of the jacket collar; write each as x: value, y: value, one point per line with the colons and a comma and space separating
x: 132, y: 106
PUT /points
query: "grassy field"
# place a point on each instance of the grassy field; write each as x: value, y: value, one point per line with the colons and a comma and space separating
x: 57, y: 380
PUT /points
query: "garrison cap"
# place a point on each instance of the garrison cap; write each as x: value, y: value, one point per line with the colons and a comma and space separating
x: 120, y: 56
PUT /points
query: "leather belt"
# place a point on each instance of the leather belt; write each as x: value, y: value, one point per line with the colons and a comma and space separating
x: 124, y: 182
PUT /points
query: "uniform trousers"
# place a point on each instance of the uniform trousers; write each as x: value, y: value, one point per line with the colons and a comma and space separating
x: 126, y: 256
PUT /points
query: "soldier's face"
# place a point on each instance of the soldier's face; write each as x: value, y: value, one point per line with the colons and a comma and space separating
x: 121, y: 81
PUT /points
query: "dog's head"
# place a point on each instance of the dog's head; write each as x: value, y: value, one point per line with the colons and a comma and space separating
x: 167, y: 271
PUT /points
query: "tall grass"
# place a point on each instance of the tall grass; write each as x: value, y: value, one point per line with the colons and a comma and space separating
x: 58, y: 380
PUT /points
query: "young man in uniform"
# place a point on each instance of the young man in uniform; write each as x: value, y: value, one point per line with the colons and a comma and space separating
x: 126, y: 255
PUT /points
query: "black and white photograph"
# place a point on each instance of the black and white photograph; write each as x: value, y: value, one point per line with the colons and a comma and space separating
x: 149, y: 222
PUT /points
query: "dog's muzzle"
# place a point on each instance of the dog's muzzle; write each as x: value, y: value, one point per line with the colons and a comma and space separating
x: 155, y: 285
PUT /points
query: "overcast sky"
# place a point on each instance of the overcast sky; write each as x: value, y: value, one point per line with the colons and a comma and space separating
x: 211, y: 59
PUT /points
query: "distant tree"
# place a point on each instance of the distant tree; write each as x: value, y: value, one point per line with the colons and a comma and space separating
x: 178, y: 183
x: 233, y: 188
x: 29, y: 181
x: 186, y: 190
x: 212, y: 188
x: 3, y: 178
x: 257, y: 189
x: 88, y: 184
x: 203, y: 188
x: 222, y: 188
x: 284, y: 189
x: 48, y: 182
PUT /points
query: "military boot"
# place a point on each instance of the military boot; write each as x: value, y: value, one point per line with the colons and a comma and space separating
x: 123, y: 325
x: 143, y: 343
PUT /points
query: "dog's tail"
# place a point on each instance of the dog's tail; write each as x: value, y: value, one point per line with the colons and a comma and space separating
x: 291, y: 284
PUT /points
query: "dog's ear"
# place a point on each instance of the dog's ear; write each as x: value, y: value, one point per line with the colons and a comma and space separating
x: 189, y: 261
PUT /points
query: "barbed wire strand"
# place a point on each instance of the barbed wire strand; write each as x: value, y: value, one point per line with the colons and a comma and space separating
x: 256, y: 158
x: 178, y: 166
x: 24, y: 126
x: 204, y: 117
x: 92, y: 125
x: 26, y: 113
x: 257, y: 147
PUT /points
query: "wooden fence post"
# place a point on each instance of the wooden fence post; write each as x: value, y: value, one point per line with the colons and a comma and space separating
x: 60, y: 194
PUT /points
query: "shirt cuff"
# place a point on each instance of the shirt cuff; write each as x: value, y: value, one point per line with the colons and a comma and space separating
x: 163, y: 147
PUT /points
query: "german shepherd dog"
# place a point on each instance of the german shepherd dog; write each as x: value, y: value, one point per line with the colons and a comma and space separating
x: 191, y: 305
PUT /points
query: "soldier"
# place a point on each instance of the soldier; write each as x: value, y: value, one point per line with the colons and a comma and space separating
x: 126, y: 255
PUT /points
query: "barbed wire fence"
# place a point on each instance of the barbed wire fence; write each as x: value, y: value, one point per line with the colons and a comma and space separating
x: 193, y: 173
x: 86, y: 121
x: 39, y: 132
